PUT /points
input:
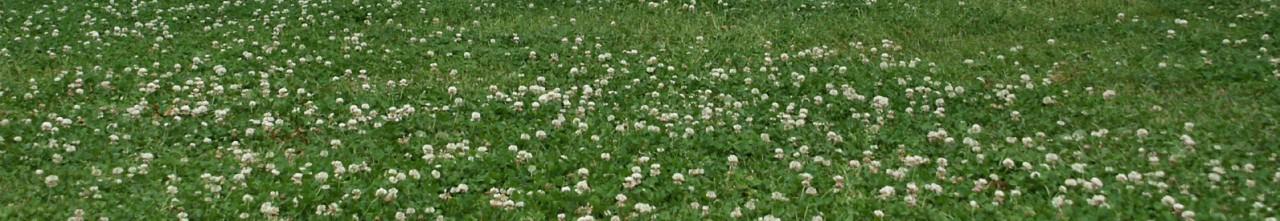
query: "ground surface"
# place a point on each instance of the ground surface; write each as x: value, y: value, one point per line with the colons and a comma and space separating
x: 637, y: 110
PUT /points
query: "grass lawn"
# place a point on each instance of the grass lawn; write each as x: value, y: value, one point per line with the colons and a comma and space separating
x: 639, y: 110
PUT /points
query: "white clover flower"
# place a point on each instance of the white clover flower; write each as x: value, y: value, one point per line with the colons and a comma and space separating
x: 880, y: 102
x: 1187, y: 140
x: 1108, y: 94
x: 644, y: 208
x: 51, y: 181
x: 1168, y: 200
x: 778, y: 196
x: 268, y: 209
x: 48, y: 127
x: 1098, y: 200
x: 620, y: 198
x: 582, y: 187
x: 147, y: 157
x: 1049, y: 100
x: 886, y: 192
x: 1188, y: 215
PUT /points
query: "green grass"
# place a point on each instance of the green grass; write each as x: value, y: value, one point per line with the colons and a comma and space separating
x: 719, y: 84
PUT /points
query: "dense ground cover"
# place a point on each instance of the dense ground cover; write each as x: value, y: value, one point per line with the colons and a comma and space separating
x: 639, y: 110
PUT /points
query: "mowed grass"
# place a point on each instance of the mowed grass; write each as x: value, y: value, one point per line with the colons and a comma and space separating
x: 639, y: 110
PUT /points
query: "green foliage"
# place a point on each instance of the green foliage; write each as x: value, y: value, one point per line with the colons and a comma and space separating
x: 260, y: 109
